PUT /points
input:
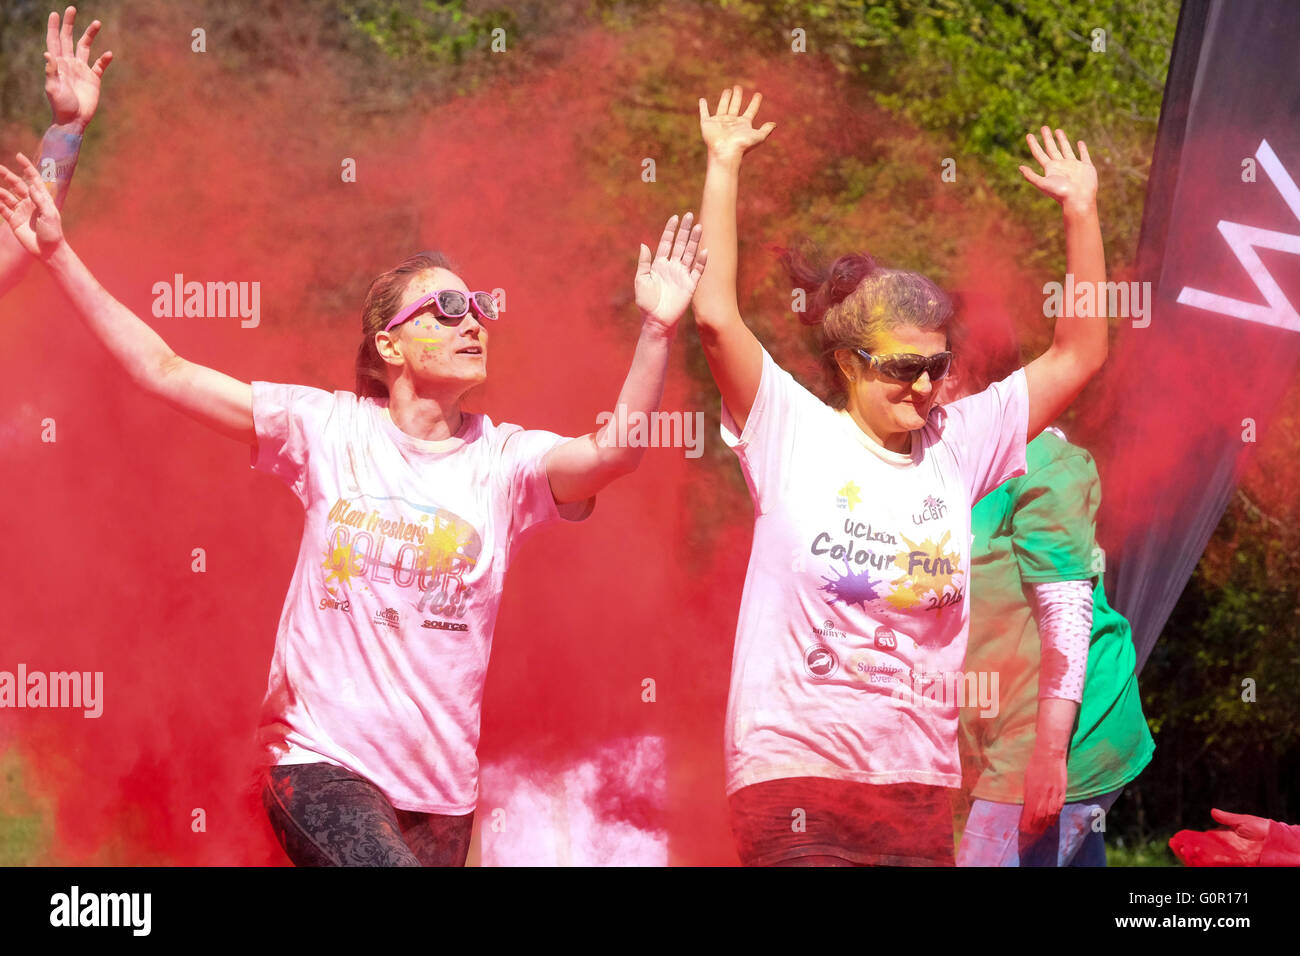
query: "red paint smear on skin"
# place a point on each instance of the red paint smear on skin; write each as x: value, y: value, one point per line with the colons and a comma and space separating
x: 189, y: 178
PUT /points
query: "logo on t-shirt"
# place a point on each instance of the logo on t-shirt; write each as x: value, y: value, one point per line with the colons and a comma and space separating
x: 329, y: 603
x: 885, y: 639
x: 848, y: 496
x: 393, y: 542
x: 830, y: 630
x: 932, y: 509
x: 388, y: 616
x: 820, y: 661
x: 445, y: 626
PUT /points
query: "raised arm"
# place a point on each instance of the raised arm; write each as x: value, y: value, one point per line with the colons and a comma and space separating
x: 72, y: 87
x: 735, y: 356
x: 217, y: 400
x: 1079, y: 344
x: 579, y: 468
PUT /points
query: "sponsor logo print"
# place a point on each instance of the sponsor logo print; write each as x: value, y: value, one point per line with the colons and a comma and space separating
x: 387, y: 616
x: 328, y: 603
x: 829, y: 630
x: 848, y: 496
x: 931, y: 510
x: 445, y: 626
x: 820, y: 662
x: 885, y: 639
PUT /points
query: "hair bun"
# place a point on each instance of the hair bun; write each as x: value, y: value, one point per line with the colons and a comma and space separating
x: 846, y: 274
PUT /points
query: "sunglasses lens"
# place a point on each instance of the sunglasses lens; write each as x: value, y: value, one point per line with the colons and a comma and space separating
x: 453, y: 304
x: 907, y: 369
x: 487, y: 305
x: 939, y: 366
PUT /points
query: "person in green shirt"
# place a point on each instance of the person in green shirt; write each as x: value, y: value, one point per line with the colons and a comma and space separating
x: 1041, y: 770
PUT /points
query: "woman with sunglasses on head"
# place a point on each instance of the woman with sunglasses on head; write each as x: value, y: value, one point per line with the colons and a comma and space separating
x: 413, y: 510
x: 841, y: 728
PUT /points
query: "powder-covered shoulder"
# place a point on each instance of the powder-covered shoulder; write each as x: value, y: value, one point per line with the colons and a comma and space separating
x: 985, y: 432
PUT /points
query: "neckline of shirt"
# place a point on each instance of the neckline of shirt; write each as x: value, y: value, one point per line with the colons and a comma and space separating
x: 880, y: 451
x: 468, y: 425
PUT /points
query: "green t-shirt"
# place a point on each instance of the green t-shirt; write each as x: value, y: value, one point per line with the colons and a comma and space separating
x: 1035, y: 529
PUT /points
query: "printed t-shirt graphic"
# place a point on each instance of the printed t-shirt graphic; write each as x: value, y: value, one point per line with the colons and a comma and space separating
x: 383, y: 643
x: 853, y: 618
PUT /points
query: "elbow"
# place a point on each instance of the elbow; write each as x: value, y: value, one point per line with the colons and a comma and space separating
x: 619, y: 463
x: 152, y: 375
x: 1099, y: 357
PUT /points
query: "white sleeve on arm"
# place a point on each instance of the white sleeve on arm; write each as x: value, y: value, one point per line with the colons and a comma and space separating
x: 1064, y: 612
x: 288, y: 420
x: 766, y: 445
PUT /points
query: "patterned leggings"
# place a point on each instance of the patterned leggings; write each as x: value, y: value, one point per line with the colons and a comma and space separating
x: 324, y: 815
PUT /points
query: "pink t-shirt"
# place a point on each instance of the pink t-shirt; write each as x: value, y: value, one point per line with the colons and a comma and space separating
x: 853, y: 620
x: 383, y: 642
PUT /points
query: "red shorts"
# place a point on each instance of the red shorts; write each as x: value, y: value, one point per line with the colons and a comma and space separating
x: 901, y: 824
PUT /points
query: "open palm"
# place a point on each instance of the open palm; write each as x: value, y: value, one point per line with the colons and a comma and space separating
x: 1066, y: 178
x: 728, y: 133
x: 71, y: 83
x: 665, y: 285
x: 29, y: 209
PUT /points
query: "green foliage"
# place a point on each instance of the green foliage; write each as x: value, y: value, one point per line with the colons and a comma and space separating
x: 1156, y: 852
x: 986, y: 72
x: 24, y: 825
x: 439, y: 32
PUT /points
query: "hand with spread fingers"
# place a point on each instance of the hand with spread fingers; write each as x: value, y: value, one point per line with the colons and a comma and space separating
x: 29, y: 209
x: 665, y: 285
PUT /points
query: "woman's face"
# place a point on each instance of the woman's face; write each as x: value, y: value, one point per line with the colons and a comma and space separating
x: 891, y: 406
x: 436, y: 351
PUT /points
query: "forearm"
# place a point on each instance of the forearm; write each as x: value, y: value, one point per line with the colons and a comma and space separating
x: 14, y: 260
x: 140, y: 350
x: 60, y: 148
x: 1063, y: 612
x: 715, y: 298
x: 1055, y: 726
x: 1083, y: 337
x: 641, y: 394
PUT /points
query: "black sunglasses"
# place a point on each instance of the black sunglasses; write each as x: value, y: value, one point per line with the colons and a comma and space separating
x: 908, y: 366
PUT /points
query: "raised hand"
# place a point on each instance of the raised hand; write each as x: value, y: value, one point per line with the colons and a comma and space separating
x: 71, y: 83
x: 665, y: 285
x: 1069, y: 180
x: 729, y: 133
x: 29, y: 209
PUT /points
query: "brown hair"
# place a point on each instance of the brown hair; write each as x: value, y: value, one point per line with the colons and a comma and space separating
x: 383, y: 301
x: 855, y: 300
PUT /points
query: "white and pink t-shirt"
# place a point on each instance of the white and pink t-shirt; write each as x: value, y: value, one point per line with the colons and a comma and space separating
x: 383, y: 643
x: 853, y: 621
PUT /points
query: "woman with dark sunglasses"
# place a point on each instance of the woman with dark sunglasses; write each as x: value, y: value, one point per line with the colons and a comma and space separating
x: 413, y: 509
x: 841, y: 729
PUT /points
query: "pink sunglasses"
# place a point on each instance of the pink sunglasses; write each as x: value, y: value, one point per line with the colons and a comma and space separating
x: 450, y: 304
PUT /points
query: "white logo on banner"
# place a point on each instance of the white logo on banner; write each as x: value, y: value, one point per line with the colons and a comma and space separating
x: 1243, y: 240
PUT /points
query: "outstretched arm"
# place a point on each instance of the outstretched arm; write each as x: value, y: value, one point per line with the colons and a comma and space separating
x: 579, y: 468
x: 1079, y: 345
x: 735, y: 356
x: 217, y: 400
x: 72, y: 87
